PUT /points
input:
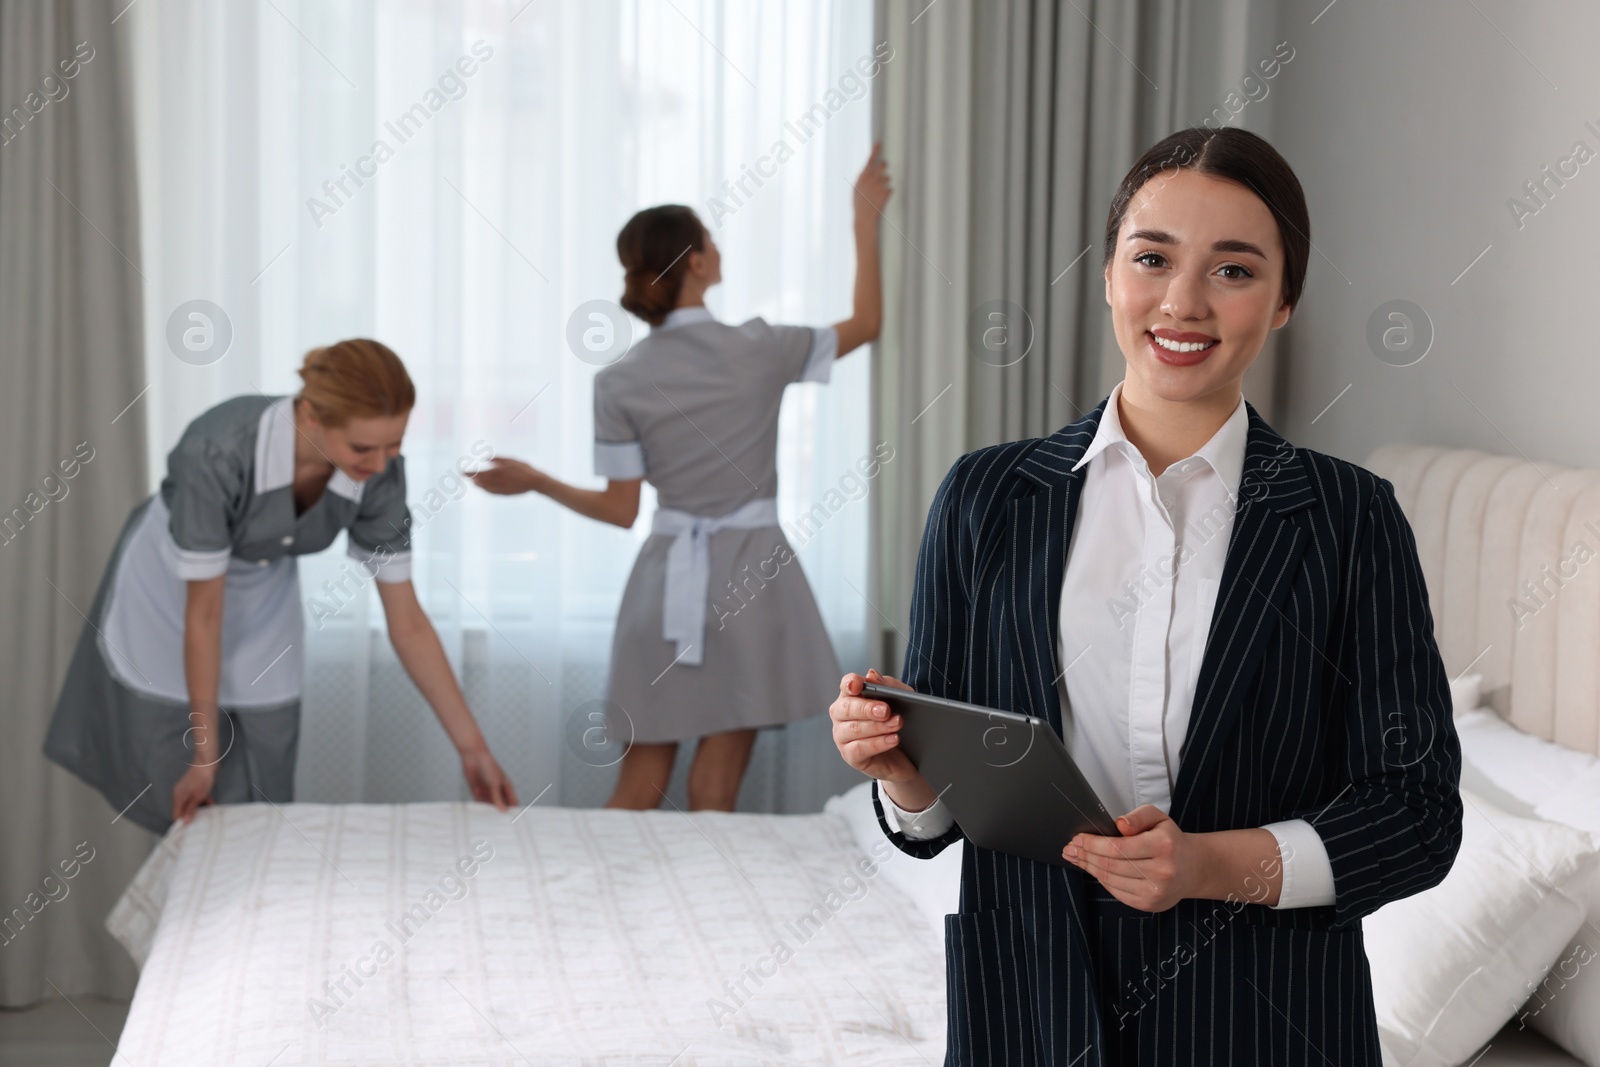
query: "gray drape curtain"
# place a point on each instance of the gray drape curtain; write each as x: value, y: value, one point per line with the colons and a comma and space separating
x: 1008, y: 124
x: 71, y: 364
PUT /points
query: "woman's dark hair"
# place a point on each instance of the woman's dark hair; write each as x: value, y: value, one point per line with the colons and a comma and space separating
x: 653, y: 247
x: 1237, y: 156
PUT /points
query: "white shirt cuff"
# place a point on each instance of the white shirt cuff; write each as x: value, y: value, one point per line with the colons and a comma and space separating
x: 192, y: 566
x: 824, y: 350
x: 619, y: 459
x: 933, y: 821
x: 383, y: 565
x: 1307, y: 872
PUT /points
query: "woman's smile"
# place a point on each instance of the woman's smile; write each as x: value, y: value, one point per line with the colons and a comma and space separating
x: 1180, y: 348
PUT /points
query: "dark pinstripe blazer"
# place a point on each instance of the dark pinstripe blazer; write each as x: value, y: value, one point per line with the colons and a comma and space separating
x: 1321, y: 696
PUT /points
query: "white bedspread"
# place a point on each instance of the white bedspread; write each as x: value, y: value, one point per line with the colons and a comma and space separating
x: 450, y: 934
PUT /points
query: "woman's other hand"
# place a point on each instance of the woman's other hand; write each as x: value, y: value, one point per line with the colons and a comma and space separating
x: 487, y: 781
x: 193, y: 791
x: 1156, y: 864
x: 507, y: 477
x: 1152, y: 867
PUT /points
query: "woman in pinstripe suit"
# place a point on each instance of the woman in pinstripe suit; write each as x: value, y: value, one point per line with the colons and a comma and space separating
x: 1233, y: 638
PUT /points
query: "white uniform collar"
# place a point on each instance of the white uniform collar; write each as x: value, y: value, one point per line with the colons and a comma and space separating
x: 1224, y: 452
x: 685, y: 316
x: 275, y: 453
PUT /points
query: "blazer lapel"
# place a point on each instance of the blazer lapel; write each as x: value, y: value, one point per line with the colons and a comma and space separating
x: 1038, y: 530
x: 1033, y: 563
x: 1260, y: 568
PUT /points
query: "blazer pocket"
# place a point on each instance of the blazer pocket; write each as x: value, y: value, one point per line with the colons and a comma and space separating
x: 1308, y: 976
x: 989, y: 982
x: 1299, y: 951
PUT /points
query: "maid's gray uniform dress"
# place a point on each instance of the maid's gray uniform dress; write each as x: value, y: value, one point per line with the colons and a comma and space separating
x: 718, y: 629
x: 226, y: 506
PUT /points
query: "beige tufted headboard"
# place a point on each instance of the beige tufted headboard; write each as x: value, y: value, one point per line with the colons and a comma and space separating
x: 1511, y: 552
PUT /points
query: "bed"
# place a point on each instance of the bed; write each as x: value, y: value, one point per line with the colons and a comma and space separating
x: 550, y: 936
x: 450, y: 934
x: 1509, y: 548
x: 553, y: 936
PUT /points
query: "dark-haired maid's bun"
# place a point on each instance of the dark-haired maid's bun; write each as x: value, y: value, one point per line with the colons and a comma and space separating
x: 652, y: 249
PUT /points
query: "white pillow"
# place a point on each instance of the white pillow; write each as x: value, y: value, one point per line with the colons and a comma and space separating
x: 1451, y: 964
x: 1576, y: 802
x: 1529, y: 768
x: 1466, y: 692
x: 1560, y: 785
x: 933, y: 885
x: 1566, y: 1005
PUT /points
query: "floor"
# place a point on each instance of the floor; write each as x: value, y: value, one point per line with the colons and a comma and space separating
x: 55, y: 1033
x: 1524, y: 1048
x: 81, y: 1034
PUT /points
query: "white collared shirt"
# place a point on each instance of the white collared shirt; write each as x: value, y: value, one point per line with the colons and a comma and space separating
x: 1143, y: 570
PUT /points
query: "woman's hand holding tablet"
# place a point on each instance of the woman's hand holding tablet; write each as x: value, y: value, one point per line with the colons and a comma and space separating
x: 867, y: 734
x: 1155, y: 864
x: 1151, y: 867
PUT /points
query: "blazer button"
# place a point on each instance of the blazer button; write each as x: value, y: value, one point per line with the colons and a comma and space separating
x: 288, y: 539
x: 262, y: 562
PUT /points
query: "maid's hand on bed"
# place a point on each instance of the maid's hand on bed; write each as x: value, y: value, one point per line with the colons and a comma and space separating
x: 192, y: 791
x: 487, y: 781
x: 867, y: 734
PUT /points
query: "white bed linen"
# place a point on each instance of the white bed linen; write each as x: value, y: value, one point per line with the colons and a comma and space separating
x: 588, y: 936
x: 259, y: 919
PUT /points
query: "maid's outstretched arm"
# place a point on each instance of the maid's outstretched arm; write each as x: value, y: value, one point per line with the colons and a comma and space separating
x: 417, y: 644
x: 866, y: 317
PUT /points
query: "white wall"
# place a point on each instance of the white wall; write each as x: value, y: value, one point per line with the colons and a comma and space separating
x: 1410, y: 126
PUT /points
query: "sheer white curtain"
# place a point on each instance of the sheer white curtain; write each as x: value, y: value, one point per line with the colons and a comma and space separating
x: 450, y: 179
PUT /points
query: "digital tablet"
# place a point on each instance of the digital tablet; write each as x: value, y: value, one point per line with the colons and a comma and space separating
x: 1007, y: 778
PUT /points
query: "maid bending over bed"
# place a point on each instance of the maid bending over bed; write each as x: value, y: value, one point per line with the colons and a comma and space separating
x: 1233, y: 638
x: 185, y: 685
x: 718, y: 634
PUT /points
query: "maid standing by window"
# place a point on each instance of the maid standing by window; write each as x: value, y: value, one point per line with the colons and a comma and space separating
x: 718, y: 634
x: 1232, y: 636
x: 184, y: 688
